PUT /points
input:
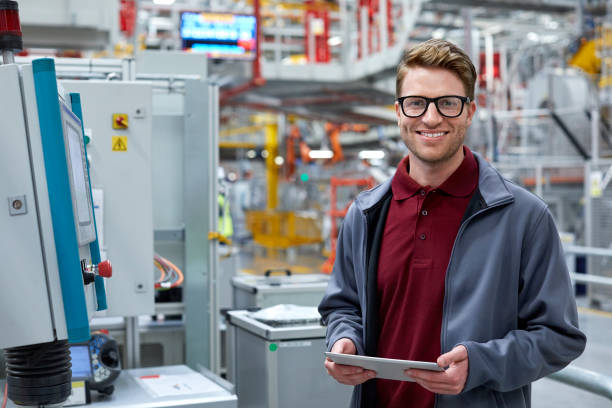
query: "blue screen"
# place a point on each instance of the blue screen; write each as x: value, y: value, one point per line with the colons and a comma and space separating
x: 220, y: 35
x: 81, y: 365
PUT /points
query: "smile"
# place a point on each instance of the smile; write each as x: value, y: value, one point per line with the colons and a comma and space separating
x: 431, y: 134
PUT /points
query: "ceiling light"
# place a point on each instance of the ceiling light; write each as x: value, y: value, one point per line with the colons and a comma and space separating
x: 320, y: 154
x: 334, y: 41
x: 553, y: 25
x: 438, y: 33
x: 533, y: 37
x: 371, y: 154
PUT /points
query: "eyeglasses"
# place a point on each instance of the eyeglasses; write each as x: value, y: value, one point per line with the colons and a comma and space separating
x: 450, y: 106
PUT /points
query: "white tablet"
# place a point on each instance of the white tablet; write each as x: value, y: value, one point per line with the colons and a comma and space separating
x: 388, y: 368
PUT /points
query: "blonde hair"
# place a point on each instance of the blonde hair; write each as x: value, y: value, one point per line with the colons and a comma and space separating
x: 438, y: 54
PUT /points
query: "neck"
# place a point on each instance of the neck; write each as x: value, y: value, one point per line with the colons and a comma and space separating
x: 434, y: 174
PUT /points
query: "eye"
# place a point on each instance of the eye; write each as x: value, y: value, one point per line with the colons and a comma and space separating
x: 414, y: 103
x: 448, y: 102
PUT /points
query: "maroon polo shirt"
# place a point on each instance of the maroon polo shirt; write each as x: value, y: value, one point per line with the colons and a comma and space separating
x: 419, y: 234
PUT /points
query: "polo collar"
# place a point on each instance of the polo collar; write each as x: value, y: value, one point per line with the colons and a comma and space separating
x: 461, y: 183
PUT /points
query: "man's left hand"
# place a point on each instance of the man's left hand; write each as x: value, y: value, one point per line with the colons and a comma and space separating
x: 452, y: 380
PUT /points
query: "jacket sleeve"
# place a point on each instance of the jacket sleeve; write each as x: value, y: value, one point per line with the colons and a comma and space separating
x: 547, y: 338
x: 340, y: 308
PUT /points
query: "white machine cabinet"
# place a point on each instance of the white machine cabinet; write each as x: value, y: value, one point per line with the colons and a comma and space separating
x: 279, y: 367
x: 263, y: 291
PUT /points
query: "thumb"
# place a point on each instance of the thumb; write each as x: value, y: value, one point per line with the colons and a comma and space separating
x: 457, y: 354
x: 344, y: 346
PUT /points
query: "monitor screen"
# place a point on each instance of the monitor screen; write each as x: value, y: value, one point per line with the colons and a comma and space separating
x: 81, y: 364
x: 220, y: 35
x: 78, y: 174
x: 79, y: 177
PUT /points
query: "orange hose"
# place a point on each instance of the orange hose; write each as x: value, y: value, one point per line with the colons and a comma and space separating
x: 5, y: 395
x: 163, y: 273
x: 177, y: 270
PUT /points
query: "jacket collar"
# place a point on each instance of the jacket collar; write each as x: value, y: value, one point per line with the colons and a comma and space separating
x: 491, y: 185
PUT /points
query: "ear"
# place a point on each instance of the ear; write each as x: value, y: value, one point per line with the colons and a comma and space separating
x: 471, y: 109
x: 398, y: 112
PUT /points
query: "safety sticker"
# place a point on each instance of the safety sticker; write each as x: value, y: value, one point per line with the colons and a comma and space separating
x: 119, y: 144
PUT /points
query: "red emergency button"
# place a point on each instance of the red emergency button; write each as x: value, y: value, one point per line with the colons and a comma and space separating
x: 120, y: 121
x: 105, y: 269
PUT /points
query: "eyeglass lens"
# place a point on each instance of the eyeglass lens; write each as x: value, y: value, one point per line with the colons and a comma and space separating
x: 447, y: 106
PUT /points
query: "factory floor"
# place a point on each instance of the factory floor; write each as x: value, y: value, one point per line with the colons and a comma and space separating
x: 546, y: 393
x: 597, y: 357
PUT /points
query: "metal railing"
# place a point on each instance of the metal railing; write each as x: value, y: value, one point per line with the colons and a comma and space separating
x: 577, y: 377
x: 583, y: 278
x: 587, y: 380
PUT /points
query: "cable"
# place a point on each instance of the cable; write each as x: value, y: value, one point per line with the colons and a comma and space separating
x: 161, y: 270
x: 172, y: 276
x: 5, y: 395
x: 165, y: 279
x: 180, y: 279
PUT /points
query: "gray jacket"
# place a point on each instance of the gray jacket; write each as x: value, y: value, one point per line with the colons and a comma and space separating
x: 508, y: 297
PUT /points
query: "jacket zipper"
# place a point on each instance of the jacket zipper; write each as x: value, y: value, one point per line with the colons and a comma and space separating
x: 444, y: 306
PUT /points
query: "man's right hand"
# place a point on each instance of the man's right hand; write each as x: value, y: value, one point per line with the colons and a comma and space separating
x: 346, y: 374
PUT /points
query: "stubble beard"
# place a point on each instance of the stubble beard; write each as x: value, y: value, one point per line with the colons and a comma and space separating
x: 447, y: 154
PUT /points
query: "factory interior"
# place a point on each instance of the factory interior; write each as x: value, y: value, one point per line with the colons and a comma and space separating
x: 176, y: 174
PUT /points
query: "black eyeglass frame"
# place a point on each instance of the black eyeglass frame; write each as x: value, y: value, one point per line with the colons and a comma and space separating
x: 464, y: 100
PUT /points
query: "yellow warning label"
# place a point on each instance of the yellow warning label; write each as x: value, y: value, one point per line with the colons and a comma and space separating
x: 119, y: 144
x: 120, y: 121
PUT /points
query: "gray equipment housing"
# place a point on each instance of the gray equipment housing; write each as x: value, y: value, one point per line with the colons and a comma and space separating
x: 264, y: 291
x: 277, y: 367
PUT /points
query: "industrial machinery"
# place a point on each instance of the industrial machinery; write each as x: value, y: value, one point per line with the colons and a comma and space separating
x: 263, y: 291
x: 279, y: 363
x: 52, y: 276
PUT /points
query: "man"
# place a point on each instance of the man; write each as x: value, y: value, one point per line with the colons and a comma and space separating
x: 448, y: 262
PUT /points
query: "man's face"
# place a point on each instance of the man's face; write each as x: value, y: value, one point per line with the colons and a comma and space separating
x: 431, y: 138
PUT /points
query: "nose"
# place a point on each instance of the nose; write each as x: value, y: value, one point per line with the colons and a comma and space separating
x: 432, y: 117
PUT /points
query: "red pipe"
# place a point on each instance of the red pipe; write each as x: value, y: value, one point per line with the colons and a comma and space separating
x: 256, y: 62
x: 257, y: 79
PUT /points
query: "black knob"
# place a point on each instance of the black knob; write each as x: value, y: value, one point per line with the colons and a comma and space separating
x: 110, y: 358
x: 88, y: 278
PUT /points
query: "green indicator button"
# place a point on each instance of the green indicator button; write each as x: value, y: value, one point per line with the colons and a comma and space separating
x: 273, y: 347
x: 304, y: 177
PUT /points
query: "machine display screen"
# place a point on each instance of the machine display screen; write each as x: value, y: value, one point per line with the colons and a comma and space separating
x: 220, y: 35
x: 81, y: 364
x: 79, y: 177
x: 78, y: 174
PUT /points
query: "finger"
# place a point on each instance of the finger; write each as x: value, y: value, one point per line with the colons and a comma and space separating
x: 344, y: 346
x: 457, y: 354
x: 432, y: 384
x: 439, y: 389
x: 354, y: 379
x: 343, y: 369
x: 440, y: 377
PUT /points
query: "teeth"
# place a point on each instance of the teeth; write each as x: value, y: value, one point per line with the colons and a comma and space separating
x: 432, y: 135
